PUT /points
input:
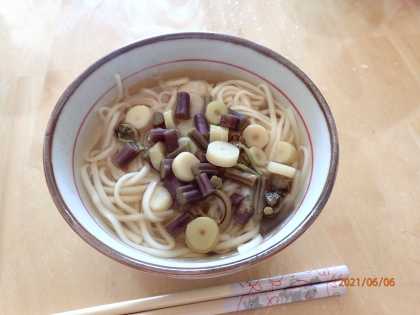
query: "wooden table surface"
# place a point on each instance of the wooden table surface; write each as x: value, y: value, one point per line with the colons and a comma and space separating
x: 363, y: 56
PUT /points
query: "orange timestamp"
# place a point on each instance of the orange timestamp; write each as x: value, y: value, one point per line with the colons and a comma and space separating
x: 368, y: 282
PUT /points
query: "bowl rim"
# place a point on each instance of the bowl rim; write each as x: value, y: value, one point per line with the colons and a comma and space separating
x: 190, y: 272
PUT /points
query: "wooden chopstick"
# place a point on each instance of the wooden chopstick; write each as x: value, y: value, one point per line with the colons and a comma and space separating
x: 258, y: 300
x: 219, y: 294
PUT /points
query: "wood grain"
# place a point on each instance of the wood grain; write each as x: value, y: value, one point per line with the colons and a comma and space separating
x: 362, y: 55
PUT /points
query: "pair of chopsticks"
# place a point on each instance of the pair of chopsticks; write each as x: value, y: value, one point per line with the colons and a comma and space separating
x: 301, y: 286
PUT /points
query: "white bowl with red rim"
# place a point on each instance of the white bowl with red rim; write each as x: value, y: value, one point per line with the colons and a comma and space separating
x: 74, y: 118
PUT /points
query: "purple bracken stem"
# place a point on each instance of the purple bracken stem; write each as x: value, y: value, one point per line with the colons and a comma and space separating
x: 204, y: 184
x: 177, y: 226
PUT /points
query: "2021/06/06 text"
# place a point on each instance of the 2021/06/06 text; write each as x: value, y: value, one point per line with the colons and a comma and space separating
x: 368, y: 282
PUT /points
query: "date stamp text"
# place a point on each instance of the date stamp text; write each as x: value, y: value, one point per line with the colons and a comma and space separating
x: 368, y: 282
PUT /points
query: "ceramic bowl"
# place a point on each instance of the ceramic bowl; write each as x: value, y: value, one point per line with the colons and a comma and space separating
x: 72, y: 118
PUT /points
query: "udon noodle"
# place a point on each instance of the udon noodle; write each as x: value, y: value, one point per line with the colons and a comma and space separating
x: 122, y: 197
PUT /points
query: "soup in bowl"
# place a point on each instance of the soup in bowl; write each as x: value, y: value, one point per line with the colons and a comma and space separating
x: 191, y: 155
